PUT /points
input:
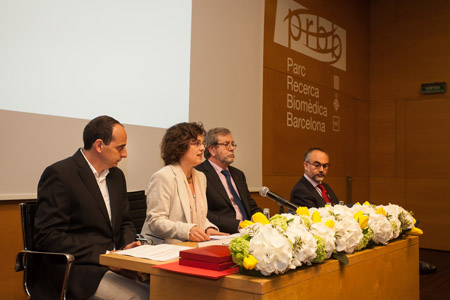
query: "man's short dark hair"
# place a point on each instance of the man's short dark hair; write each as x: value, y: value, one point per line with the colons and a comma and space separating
x: 175, y: 142
x: 305, y: 158
x: 211, y: 138
x: 99, y: 128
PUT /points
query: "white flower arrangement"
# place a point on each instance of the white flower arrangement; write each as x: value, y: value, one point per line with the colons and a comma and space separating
x: 328, y: 234
x: 303, y: 243
x: 289, y: 241
x: 349, y: 235
x: 382, y: 229
x: 272, y: 250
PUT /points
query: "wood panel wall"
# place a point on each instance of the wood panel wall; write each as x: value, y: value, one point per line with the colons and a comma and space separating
x: 409, y: 132
x: 11, y: 235
x: 395, y: 146
x: 344, y: 92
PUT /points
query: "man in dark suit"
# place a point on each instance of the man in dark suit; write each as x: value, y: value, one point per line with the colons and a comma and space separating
x: 229, y: 200
x: 310, y: 190
x: 82, y: 209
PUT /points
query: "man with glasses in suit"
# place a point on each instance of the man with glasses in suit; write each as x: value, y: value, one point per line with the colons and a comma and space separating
x: 229, y: 200
x: 310, y: 190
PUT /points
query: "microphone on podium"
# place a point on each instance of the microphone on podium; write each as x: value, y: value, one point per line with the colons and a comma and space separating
x: 265, y: 192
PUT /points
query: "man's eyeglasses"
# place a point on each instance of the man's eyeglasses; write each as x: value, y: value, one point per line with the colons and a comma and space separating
x: 227, y: 145
x: 197, y: 143
x: 317, y: 165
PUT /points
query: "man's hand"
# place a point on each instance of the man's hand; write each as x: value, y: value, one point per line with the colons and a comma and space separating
x: 129, y: 246
x: 132, y: 245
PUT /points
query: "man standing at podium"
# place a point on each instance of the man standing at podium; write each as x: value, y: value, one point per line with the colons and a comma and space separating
x: 229, y: 200
x: 310, y: 190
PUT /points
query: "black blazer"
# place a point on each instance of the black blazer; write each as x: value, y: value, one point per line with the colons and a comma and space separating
x: 220, y: 209
x: 71, y: 217
x: 304, y: 194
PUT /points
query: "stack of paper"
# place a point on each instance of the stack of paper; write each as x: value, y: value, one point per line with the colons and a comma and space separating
x: 160, y: 252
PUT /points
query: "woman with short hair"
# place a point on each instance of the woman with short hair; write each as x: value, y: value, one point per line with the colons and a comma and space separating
x: 176, y: 195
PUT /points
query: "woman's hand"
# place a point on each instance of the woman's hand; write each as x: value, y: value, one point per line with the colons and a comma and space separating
x: 197, y: 235
x: 211, y: 231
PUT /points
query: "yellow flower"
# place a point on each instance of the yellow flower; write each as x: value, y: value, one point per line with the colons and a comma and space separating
x: 415, y: 231
x: 367, y: 203
x: 303, y: 211
x: 260, y: 218
x: 381, y: 211
x: 316, y: 217
x: 329, y: 223
x: 327, y: 205
x: 363, y: 221
x: 246, y: 223
x: 250, y: 262
x: 357, y: 203
x: 357, y: 215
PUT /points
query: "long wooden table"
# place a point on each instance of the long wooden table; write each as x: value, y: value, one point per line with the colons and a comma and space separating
x: 383, y: 272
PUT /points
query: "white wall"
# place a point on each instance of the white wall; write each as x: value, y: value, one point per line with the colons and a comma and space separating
x: 226, y: 75
x: 225, y: 90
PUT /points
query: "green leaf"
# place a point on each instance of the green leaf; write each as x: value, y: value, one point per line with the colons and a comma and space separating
x: 341, y: 257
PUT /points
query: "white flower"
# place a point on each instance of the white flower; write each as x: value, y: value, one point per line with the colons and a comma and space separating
x: 272, y: 250
x: 290, y: 216
x: 327, y: 234
x: 392, y: 212
x: 348, y: 235
x: 339, y: 212
x: 296, y: 219
x: 251, y: 230
x: 366, y: 209
x: 399, y: 213
x: 303, y: 242
x: 396, y: 228
x: 323, y: 211
x: 382, y: 229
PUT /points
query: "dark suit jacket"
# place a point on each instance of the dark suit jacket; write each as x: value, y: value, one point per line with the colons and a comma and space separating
x: 220, y: 209
x: 304, y: 194
x: 71, y: 217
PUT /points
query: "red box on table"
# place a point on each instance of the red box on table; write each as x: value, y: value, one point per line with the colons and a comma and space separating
x: 213, y: 257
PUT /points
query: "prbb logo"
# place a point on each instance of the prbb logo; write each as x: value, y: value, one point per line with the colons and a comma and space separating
x: 309, y: 34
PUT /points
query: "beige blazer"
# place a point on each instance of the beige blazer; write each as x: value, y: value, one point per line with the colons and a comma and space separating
x: 168, y: 210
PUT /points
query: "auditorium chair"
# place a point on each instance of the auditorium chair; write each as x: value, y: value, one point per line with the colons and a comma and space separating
x: 138, y: 213
x: 28, y: 260
x: 138, y: 208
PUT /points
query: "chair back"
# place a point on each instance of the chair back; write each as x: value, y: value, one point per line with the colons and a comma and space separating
x: 27, y: 213
x: 39, y: 265
x: 138, y: 208
x: 31, y: 263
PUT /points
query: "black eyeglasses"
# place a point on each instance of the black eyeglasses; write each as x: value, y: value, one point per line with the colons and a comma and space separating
x: 317, y: 165
x: 228, y: 145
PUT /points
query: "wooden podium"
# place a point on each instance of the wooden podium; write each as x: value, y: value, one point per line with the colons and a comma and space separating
x: 384, y: 272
